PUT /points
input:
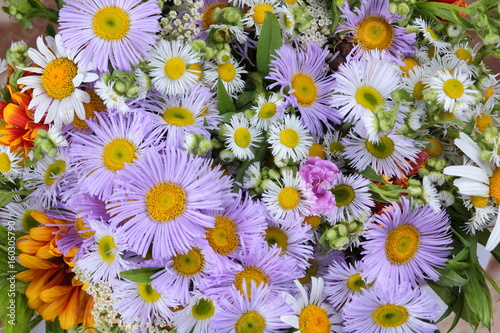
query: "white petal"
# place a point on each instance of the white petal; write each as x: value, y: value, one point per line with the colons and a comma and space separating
x: 471, y: 149
x: 471, y: 187
x: 468, y: 171
x: 495, y: 235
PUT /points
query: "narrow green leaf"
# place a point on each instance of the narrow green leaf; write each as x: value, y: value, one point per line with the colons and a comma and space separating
x: 269, y: 41
x: 224, y: 101
x: 141, y: 275
x: 490, y: 279
x: 373, y: 175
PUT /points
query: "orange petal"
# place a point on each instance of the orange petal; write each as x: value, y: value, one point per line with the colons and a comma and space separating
x: 88, y: 318
x: 29, y: 275
x: 54, y: 293
x: 29, y: 246
x: 15, y: 115
x: 44, y: 234
x: 45, y: 252
x: 35, y: 301
x: 41, y: 217
x: 34, y: 262
x: 50, y: 311
x: 68, y: 317
x: 35, y: 288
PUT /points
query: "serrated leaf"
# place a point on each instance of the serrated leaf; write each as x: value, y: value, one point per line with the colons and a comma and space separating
x: 269, y: 41
x: 140, y: 275
x: 224, y: 101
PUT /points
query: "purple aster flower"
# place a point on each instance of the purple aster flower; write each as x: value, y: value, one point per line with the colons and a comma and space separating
x: 159, y: 201
x: 406, y: 242
x: 388, y: 308
x: 304, y: 73
x: 372, y: 27
x: 116, y: 32
x: 320, y: 175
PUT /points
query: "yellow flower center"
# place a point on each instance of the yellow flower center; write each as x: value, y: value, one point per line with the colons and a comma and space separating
x: 483, y: 121
x: 260, y: 12
x: 402, y: 244
x: 313, y: 221
x: 81, y: 226
x: 227, y: 71
x: 242, y: 137
x: 317, y: 150
x: 196, y: 69
x: 118, y: 152
x: 96, y: 104
x: 278, y: 237
x: 310, y: 271
x: 208, y: 13
x: 106, y: 246
x: 478, y: 201
x: 381, y: 149
x: 5, y: 163
x: 453, y: 88
x: 464, y: 54
x: 223, y: 238
x: 336, y: 148
x: 374, y: 32
x: 355, y: 282
x: 54, y: 170
x: 495, y: 185
x: 189, y: 264
x: 178, y: 116
x: 437, y: 148
x: 147, y: 292
x: 250, y: 322
x: 250, y: 274
x: 409, y: 63
x: 289, y: 137
x: 165, y: 202
x: 314, y: 319
x: 289, y: 198
x: 111, y: 23
x: 57, y: 78
x: 344, y: 195
x: 204, y: 309
x: 174, y: 68
x: 390, y: 315
x: 369, y: 98
x: 432, y: 34
x: 418, y: 90
x: 290, y: 2
x: 305, y: 89
x: 267, y: 110
x: 487, y: 94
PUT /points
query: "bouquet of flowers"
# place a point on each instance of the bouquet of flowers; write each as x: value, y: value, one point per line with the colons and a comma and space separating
x: 249, y: 166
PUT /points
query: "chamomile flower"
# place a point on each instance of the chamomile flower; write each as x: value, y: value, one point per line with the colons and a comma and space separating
x: 429, y: 34
x: 414, y: 85
x: 196, y: 316
x: 406, y: 242
x: 430, y: 194
x: 386, y: 309
x: 170, y: 61
x: 490, y: 88
x: 352, y: 197
x: 302, y: 71
x: 289, y: 198
x: 267, y: 110
x: 256, y: 13
x: 10, y: 163
x: 342, y: 281
x: 312, y: 313
x: 389, y: 156
x: 452, y: 88
x: 117, y: 140
x: 252, y: 176
x: 56, y: 93
x: 289, y: 139
x: 484, y: 211
x: 463, y: 52
x: 373, y: 27
x: 229, y: 74
x: 112, y: 32
x: 160, y: 198
x: 241, y: 138
x: 111, y: 99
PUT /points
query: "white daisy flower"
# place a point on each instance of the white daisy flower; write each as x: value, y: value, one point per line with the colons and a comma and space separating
x: 446, y: 63
x: 414, y: 85
x: 288, y: 199
x: 170, y: 62
x: 426, y: 29
x: 230, y: 74
x: 55, y: 92
x: 452, y: 89
x: 111, y: 99
x: 196, y: 315
x: 18, y: 213
x: 342, y: 281
x: 256, y: 13
x: 10, y: 163
x: 490, y: 88
x: 241, y: 138
x: 430, y: 195
x: 484, y: 213
x: 312, y: 313
x: 289, y: 139
x: 465, y: 53
x: 252, y: 176
x: 267, y: 110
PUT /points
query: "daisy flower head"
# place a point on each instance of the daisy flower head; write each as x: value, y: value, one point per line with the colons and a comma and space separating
x: 312, y: 314
x: 258, y: 313
x: 197, y: 314
x: 107, y: 32
x: 490, y: 88
x: 267, y: 110
x: 229, y: 73
x: 452, y: 89
x: 373, y: 27
x: 256, y: 13
x: 241, y: 138
x: 406, y: 242
x: 484, y: 211
x: 396, y: 308
x: 160, y: 199
x: 17, y: 213
x: 289, y: 198
x: 390, y: 155
x: 111, y: 99
x: 10, y: 164
x: 343, y: 281
x: 56, y: 93
x: 252, y: 177
x: 171, y: 63
x: 302, y: 71
x: 176, y: 116
x: 430, y: 35
x: 289, y: 139
x: 117, y: 140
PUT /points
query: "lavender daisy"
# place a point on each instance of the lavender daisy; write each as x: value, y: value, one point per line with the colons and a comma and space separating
x: 343, y: 281
x: 112, y: 32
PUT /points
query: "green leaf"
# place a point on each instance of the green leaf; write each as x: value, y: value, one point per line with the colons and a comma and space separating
x: 243, y: 99
x: 23, y: 6
x: 141, y: 275
x: 18, y: 315
x: 53, y: 327
x: 373, y: 175
x: 269, y: 41
x: 224, y: 101
x: 451, y: 278
x: 490, y: 279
